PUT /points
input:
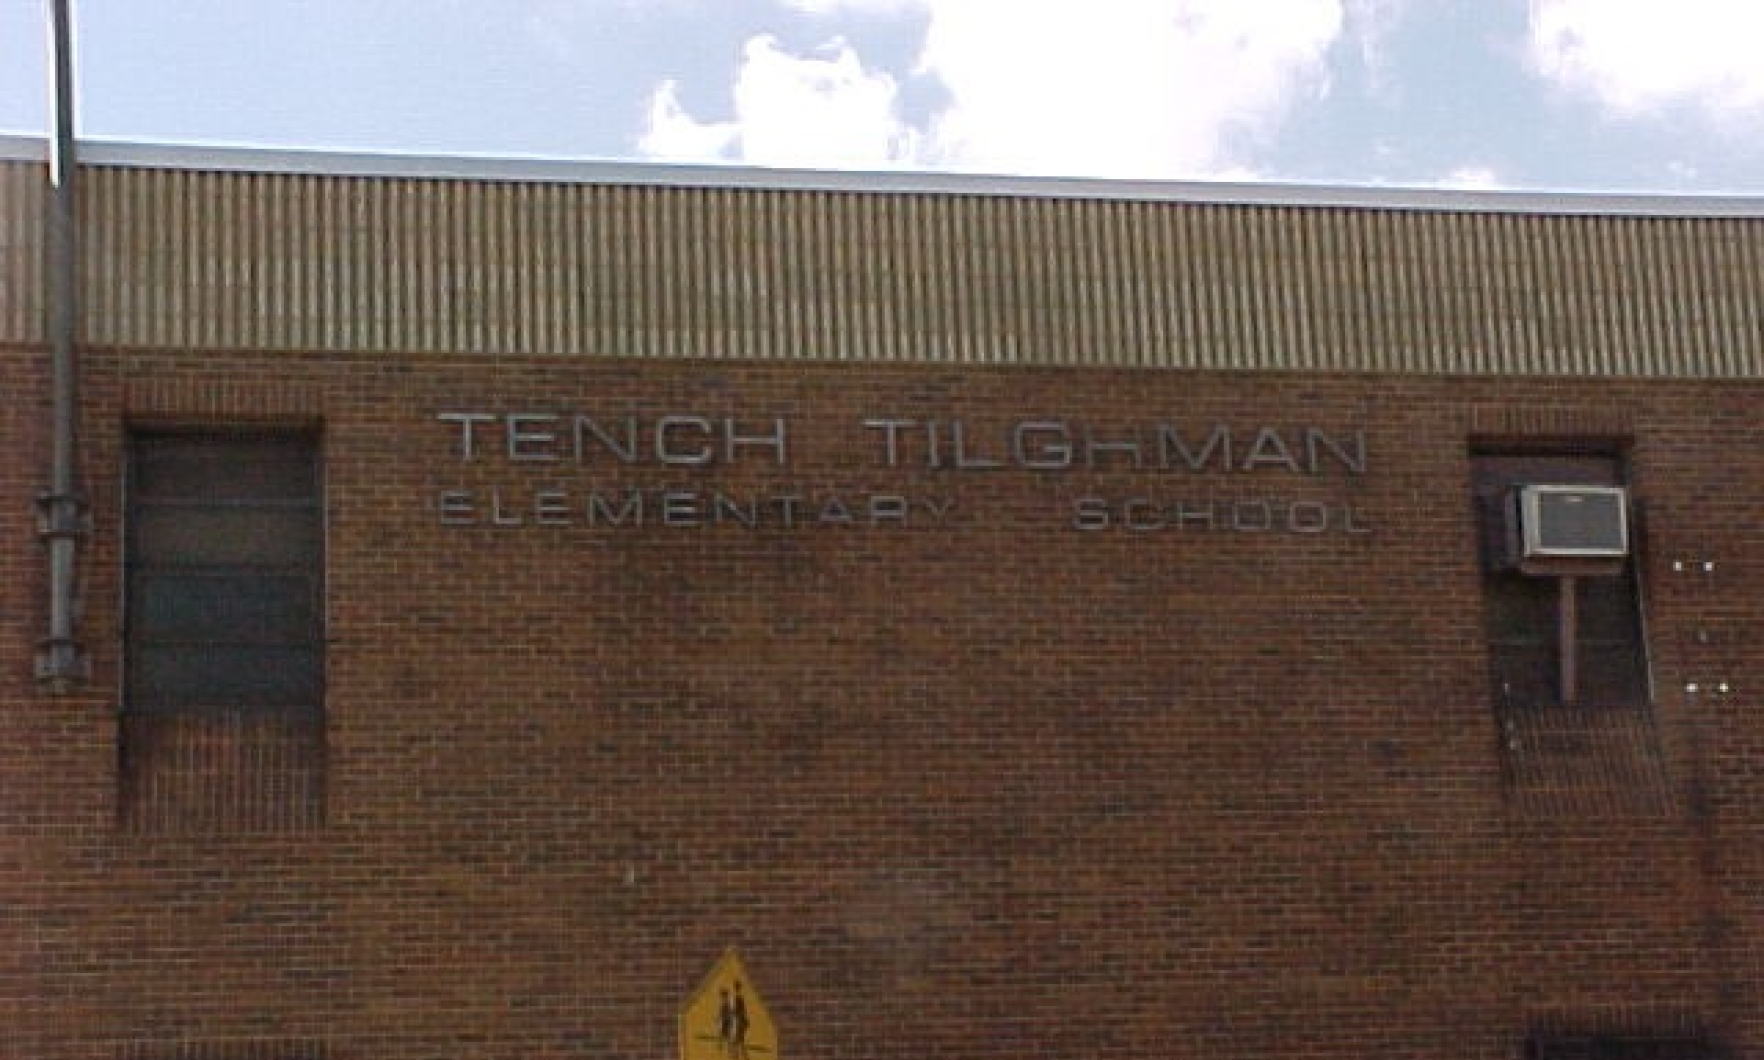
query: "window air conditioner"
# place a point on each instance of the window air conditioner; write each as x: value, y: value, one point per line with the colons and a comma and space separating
x: 1574, y: 521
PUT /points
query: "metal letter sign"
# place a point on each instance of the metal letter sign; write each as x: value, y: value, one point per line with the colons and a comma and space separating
x: 725, y: 1019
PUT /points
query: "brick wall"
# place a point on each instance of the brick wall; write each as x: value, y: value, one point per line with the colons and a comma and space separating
x: 970, y: 785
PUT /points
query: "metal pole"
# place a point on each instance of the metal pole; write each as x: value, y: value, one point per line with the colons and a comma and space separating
x: 61, y: 510
x: 1568, y: 642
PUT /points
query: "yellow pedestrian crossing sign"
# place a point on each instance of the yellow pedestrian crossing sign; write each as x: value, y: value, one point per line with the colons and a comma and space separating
x: 725, y: 1019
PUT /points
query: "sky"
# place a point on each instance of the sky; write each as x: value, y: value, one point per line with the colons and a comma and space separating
x: 1541, y: 95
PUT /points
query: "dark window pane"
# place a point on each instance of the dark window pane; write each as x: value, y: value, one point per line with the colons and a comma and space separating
x: 1611, y: 674
x: 225, y: 549
x: 225, y: 468
x: 1524, y: 675
x: 1622, y: 1047
x: 1607, y: 609
x: 230, y: 675
x: 1500, y: 471
x: 1521, y: 609
x: 223, y: 607
x: 199, y: 536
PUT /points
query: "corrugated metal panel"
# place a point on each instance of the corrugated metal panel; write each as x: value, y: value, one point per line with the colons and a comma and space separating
x: 251, y: 261
x: 23, y: 191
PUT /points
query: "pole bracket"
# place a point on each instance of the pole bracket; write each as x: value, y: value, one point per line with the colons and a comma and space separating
x: 62, y: 519
x: 62, y: 515
x: 61, y: 663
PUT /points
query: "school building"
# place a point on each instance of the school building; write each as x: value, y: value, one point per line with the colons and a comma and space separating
x: 465, y: 609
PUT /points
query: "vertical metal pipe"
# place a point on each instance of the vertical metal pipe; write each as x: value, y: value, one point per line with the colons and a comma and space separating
x: 1568, y: 639
x: 61, y: 509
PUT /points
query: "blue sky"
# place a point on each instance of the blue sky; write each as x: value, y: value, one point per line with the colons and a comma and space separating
x: 1609, y: 95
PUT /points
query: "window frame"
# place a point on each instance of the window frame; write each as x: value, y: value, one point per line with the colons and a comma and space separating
x: 309, y: 568
x: 1613, y: 627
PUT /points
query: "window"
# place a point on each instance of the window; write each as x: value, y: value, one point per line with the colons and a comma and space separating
x: 1622, y: 1047
x: 224, y: 657
x: 1563, y: 633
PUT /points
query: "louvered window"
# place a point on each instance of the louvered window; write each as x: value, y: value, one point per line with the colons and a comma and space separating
x: 223, y: 695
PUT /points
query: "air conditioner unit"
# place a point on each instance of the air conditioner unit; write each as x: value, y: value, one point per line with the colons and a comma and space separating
x: 1589, y: 522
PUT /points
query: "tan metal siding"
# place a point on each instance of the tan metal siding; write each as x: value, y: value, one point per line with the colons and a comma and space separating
x: 23, y: 190
x: 248, y: 261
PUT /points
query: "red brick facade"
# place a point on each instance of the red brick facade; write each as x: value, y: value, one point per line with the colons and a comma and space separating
x: 963, y: 775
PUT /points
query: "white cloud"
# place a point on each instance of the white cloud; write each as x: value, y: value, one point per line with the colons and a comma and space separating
x: 1370, y: 24
x: 1635, y: 55
x: 1123, y: 88
x: 673, y: 135
x: 1140, y: 88
x: 789, y: 111
x: 868, y: 7
x: 1471, y: 178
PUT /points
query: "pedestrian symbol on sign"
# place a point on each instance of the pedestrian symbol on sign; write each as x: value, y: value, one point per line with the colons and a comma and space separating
x: 725, y: 1018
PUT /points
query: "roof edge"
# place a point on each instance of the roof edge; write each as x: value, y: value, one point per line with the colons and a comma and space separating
x: 516, y: 169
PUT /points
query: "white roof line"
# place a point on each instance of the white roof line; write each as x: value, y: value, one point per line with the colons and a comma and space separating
x: 561, y: 171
